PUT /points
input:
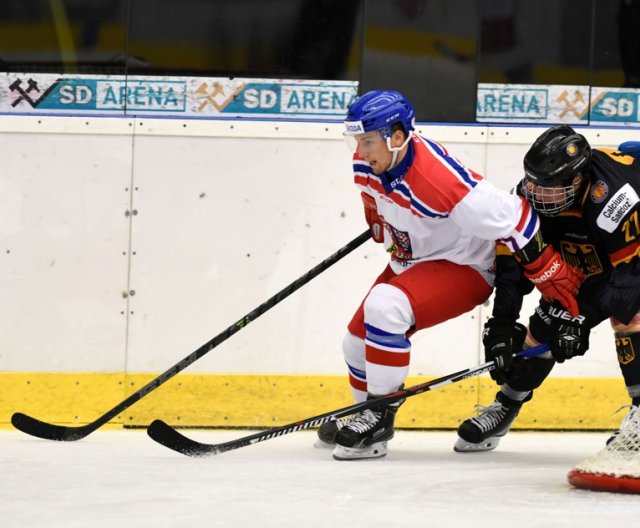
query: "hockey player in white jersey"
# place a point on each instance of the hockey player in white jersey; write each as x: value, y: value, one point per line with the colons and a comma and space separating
x: 439, y: 221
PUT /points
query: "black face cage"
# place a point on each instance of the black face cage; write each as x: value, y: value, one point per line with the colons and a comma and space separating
x: 548, y: 201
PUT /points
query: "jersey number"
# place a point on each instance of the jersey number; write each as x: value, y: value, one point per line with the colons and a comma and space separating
x: 618, y: 156
x: 631, y: 227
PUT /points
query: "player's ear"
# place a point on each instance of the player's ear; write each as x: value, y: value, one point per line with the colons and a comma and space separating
x: 398, y: 138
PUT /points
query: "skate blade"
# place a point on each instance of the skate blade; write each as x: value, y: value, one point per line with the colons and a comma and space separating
x: 321, y: 444
x: 462, y: 446
x: 378, y: 450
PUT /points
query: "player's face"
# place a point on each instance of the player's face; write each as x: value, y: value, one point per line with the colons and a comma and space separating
x: 554, y: 196
x: 552, y: 199
x: 376, y: 148
x: 373, y: 148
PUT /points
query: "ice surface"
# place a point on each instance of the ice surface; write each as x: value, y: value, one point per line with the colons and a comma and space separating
x: 123, y: 478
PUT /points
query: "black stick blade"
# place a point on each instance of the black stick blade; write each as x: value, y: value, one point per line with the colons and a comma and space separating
x: 47, y: 431
x: 167, y: 436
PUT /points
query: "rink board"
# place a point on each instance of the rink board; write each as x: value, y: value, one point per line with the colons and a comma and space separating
x: 162, y: 232
x: 192, y: 400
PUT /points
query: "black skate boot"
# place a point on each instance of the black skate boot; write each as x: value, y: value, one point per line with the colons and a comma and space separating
x: 483, y: 432
x: 327, y: 432
x: 366, y: 433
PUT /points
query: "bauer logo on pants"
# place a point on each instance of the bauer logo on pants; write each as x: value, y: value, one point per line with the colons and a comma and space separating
x: 626, y: 353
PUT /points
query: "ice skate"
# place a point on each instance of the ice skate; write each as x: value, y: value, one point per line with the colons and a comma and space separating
x: 483, y: 432
x: 366, y: 434
x: 327, y: 432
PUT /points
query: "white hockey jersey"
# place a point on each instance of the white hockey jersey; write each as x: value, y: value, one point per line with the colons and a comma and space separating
x: 435, y: 208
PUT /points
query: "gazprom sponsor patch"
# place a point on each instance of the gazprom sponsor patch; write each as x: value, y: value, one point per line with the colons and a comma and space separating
x: 617, y: 208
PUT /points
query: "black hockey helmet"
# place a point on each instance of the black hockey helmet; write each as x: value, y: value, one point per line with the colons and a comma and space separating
x: 556, y: 157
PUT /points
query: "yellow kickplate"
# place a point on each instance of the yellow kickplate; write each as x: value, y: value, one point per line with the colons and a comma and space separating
x: 262, y: 401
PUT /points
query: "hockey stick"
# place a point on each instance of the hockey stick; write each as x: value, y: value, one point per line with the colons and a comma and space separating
x: 49, y: 431
x: 166, y: 435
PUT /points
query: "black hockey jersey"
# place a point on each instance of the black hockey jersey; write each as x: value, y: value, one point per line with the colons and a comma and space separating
x: 600, y: 233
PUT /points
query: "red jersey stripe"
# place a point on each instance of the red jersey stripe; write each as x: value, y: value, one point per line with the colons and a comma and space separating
x: 387, y: 359
x: 526, y: 211
x: 625, y: 254
x: 396, y: 197
x: 357, y: 383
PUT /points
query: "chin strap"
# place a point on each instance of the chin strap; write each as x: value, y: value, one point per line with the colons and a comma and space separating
x: 396, y: 150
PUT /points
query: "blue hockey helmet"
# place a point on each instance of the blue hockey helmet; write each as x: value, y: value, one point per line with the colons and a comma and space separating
x: 379, y: 110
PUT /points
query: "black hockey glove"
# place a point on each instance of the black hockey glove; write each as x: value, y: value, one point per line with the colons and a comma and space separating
x: 569, y: 335
x: 501, y: 339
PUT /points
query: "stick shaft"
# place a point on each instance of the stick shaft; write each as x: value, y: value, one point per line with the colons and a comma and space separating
x: 56, y: 432
x: 239, y: 324
x: 166, y: 435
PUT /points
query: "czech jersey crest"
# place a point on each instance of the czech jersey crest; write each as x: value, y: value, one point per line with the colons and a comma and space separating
x: 401, y: 248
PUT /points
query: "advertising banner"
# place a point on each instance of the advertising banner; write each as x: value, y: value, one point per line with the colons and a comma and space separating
x: 522, y: 103
x: 174, y: 96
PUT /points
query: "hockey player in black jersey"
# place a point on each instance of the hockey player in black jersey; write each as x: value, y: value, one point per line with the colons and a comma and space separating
x: 589, y: 205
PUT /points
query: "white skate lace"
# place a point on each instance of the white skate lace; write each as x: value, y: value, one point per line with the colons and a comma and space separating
x: 490, y: 416
x: 364, y: 421
x: 634, y: 414
x: 343, y: 420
